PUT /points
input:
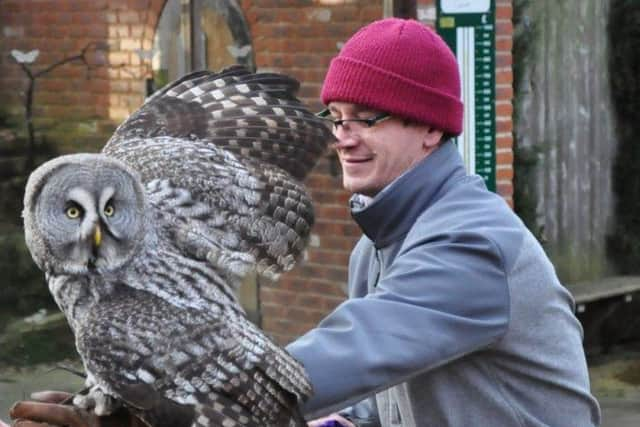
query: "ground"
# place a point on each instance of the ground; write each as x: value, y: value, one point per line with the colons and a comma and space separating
x: 615, y: 380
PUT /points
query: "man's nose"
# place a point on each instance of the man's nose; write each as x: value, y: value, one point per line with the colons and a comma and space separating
x: 344, y: 137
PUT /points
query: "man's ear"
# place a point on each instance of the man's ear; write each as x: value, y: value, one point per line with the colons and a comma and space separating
x: 431, y: 137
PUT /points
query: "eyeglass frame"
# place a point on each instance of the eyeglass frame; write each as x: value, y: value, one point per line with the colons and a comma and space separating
x: 369, y: 122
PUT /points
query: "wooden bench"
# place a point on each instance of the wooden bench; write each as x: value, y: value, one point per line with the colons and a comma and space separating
x: 608, y: 309
x: 609, y: 287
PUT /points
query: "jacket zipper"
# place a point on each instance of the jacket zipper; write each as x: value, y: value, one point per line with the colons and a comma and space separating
x: 379, y: 268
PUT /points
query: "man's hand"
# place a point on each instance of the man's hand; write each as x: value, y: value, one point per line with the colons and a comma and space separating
x: 327, y: 422
x: 53, y: 408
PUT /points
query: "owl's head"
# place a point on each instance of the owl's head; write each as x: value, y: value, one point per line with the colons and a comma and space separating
x: 83, y: 212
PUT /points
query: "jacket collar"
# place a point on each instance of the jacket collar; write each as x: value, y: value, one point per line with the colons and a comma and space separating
x: 392, y: 212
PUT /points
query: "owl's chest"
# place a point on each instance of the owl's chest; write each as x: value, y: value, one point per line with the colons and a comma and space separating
x: 78, y: 295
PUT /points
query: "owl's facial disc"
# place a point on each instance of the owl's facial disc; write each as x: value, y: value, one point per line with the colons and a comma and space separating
x: 91, y: 219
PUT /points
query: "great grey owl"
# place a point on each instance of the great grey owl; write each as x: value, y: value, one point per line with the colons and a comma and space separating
x: 144, y: 244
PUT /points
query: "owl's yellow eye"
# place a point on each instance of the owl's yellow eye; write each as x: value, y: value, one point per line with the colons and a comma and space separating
x: 73, y: 212
x: 109, y: 210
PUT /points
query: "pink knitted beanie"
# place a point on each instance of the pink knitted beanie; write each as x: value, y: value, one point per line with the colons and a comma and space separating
x: 400, y: 67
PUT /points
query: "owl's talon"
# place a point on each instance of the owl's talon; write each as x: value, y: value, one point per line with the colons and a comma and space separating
x: 81, y: 401
x: 98, y: 401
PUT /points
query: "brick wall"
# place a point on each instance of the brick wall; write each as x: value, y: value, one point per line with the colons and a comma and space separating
x: 504, y: 98
x: 58, y: 29
x: 131, y: 25
x: 292, y: 36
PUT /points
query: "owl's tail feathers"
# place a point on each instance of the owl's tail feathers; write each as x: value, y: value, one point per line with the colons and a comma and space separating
x: 224, y: 414
x: 210, y: 410
x: 152, y: 407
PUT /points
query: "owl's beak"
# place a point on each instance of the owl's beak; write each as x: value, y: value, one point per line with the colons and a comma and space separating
x: 97, y: 236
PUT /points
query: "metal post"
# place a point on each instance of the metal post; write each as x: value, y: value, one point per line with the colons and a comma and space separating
x: 187, y: 32
x: 387, y: 8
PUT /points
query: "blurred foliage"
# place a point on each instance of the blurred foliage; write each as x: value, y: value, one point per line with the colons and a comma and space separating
x: 39, y: 338
x: 160, y: 79
x: 23, y: 288
x: 525, y: 197
x: 525, y: 158
x: 624, y: 67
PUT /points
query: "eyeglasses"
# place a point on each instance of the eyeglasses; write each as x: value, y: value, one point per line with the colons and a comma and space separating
x: 369, y: 122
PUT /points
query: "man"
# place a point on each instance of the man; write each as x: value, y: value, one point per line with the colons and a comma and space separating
x: 456, y: 317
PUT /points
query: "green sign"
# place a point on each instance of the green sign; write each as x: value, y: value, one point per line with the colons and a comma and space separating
x: 468, y: 27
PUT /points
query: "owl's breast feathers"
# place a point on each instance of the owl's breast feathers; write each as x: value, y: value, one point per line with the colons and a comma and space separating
x: 213, y: 364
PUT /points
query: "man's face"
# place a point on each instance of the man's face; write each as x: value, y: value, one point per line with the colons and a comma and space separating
x: 372, y: 157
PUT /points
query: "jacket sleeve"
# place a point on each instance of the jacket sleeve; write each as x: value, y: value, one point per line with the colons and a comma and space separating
x: 445, y: 295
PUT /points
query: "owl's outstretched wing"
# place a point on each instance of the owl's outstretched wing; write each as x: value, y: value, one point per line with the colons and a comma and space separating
x: 221, y: 155
x: 254, y: 116
x: 176, y: 366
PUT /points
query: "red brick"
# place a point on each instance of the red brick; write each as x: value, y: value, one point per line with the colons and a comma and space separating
x: 333, y: 212
x: 337, y: 196
x: 345, y: 14
x: 329, y: 257
x: 309, y: 74
x: 54, y: 84
x: 312, y: 301
x: 342, y: 243
x: 504, y: 141
x: 77, y: 18
x: 323, y: 181
x: 309, y: 90
x: 504, y: 126
x: 504, y: 11
x: 503, y: 59
x: 369, y: 14
x: 504, y: 43
x: 504, y: 109
x: 335, y: 228
x: 504, y: 174
x: 273, y: 310
x: 504, y: 92
x: 504, y: 158
x: 504, y: 76
x: 298, y: 281
x: 140, y: 5
x: 295, y: 15
x: 129, y: 17
x: 505, y: 189
x: 504, y: 27
x: 277, y: 296
x: 308, y: 315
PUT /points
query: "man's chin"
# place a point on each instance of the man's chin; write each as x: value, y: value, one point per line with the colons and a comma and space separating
x: 359, y: 187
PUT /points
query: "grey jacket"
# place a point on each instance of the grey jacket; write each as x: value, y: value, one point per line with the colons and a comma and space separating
x: 455, y: 318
